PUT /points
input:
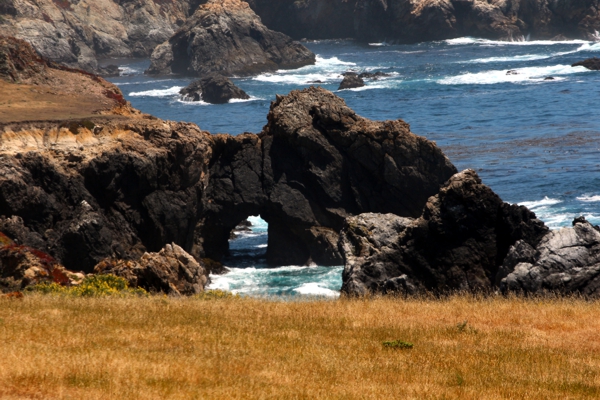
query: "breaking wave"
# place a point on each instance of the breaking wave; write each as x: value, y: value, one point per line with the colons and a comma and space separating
x: 172, y: 91
x: 523, y: 75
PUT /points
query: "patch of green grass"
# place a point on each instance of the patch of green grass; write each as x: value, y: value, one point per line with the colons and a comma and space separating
x: 398, y: 344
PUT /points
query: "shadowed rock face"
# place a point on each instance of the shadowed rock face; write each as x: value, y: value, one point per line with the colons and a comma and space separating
x: 411, y: 21
x: 315, y: 163
x: 458, y: 243
x: 227, y: 37
x: 131, y: 185
x: 591, y: 63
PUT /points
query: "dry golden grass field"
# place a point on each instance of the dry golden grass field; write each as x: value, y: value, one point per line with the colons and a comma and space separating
x: 162, y: 348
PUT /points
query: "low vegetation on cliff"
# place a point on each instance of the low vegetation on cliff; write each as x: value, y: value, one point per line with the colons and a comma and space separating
x: 157, y: 347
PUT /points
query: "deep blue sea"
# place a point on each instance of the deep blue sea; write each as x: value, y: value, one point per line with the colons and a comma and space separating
x: 533, y: 141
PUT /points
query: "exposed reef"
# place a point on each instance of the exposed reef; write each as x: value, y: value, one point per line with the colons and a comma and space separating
x: 228, y: 38
x: 591, y: 63
x: 215, y: 89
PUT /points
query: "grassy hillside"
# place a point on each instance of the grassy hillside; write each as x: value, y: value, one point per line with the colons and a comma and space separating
x: 154, y: 348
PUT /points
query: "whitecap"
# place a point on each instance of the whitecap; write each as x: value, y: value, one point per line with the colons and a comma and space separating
x: 524, y: 75
x: 589, y: 199
x: 471, y: 40
x: 324, y: 70
x: 158, y: 92
x: 252, y: 98
x: 315, y: 289
x: 378, y: 44
x: 546, y: 201
x: 125, y: 70
x: 258, y: 223
x: 140, y: 83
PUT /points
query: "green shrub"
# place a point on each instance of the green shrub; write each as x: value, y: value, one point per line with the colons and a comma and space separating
x: 398, y: 344
x: 91, y: 286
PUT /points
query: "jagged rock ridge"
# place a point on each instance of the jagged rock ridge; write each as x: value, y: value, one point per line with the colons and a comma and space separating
x: 459, y: 243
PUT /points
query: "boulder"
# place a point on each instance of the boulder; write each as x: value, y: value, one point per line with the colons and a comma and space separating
x: 351, y: 81
x: 228, y: 38
x: 171, y: 271
x: 459, y: 243
x: 565, y: 262
x: 215, y: 89
x: 21, y: 266
x: 591, y: 63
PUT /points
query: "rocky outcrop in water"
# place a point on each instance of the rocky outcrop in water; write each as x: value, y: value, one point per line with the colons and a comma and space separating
x: 215, y: 89
x: 228, y: 38
x: 77, y: 33
x: 316, y: 163
x: 351, y: 81
x: 171, y: 271
x: 459, y: 243
x: 591, y: 63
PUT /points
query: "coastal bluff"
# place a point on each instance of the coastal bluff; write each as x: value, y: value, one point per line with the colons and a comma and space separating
x: 115, y: 183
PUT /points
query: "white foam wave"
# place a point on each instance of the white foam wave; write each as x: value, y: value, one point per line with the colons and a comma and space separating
x: 282, y: 281
x: 325, y: 70
x: 252, y: 98
x: 158, y: 92
x: 125, y: 70
x: 315, y: 289
x: 546, y: 201
x: 257, y: 222
x: 523, y: 75
x: 140, y: 83
x: 470, y: 40
x: 378, y: 44
x: 589, y: 199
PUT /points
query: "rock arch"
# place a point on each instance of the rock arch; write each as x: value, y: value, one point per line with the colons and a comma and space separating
x: 315, y: 163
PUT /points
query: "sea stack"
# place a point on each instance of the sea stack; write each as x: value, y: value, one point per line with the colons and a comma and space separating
x: 215, y: 89
x: 227, y: 37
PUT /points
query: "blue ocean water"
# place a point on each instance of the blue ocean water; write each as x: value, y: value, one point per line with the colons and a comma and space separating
x: 533, y: 141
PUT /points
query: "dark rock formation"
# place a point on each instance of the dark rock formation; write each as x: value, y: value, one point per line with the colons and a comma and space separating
x: 77, y: 33
x: 124, y: 186
x: 591, y: 63
x: 351, y: 81
x: 311, y: 19
x: 404, y: 21
x: 373, y: 75
x: 566, y: 261
x: 315, y: 163
x: 227, y: 37
x: 171, y: 271
x: 458, y: 243
x: 215, y: 89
